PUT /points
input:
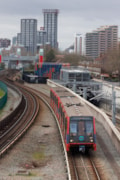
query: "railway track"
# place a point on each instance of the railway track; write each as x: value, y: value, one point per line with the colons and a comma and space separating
x: 46, y: 99
x: 11, y: 135
x: 82, y: 167
x: 14, y: 127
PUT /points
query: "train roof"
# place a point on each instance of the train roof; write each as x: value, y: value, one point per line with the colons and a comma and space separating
x: 72, y: 104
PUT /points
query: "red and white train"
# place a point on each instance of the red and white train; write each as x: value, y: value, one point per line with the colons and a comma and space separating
x: 75, y: 119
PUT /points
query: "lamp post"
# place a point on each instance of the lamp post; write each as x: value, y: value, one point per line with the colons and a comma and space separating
x: 41, y: 56
x: 113, y: 105
x: 18, y: 54
x: 0, y: 56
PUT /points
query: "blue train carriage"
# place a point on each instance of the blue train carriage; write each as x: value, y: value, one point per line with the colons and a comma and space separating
x: 75, y: 120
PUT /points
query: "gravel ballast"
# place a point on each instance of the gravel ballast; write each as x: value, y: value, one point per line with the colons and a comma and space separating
x: 38, y: 154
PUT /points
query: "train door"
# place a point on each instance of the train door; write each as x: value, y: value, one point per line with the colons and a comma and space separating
x: 81, y: 131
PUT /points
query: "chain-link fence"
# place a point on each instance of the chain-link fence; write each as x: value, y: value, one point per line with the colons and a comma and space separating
x: 107, y: 106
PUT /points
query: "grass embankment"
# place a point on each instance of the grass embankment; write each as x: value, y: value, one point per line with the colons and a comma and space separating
x: 1, y: 93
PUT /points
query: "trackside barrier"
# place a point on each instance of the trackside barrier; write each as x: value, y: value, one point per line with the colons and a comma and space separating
x: 65, y: 152
x: 3, y: 99
x: 19, y: 105
x: 100, y: 116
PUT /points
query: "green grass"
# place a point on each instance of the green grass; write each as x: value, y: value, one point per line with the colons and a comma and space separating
x: 1, y: 93
x: 31, y: 174
x: 39, y: 155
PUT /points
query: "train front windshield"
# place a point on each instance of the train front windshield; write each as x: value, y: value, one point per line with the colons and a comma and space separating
x: 81, y: 130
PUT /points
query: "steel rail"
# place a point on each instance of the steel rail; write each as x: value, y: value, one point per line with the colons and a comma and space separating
x: 85, y: 168
x: 6, y: 132
x: 75, y: 170
x: 95, y: 169
x: 21, y: 131
x: 78, y: 161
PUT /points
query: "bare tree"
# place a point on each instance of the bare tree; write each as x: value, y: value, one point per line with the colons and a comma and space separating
x: 110, y: 62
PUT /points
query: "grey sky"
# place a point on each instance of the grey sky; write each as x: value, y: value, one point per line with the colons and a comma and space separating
x: 75, y: 16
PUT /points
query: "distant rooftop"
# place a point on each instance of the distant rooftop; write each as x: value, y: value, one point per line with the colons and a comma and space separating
x: 103, y: 28
x: 50, y: 11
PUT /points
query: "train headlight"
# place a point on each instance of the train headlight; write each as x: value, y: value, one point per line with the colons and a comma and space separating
x: 71, y: 140
x: 91, y: 139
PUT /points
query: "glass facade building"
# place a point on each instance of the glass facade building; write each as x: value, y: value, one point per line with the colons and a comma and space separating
x: 29, y: 34
x: 101, y: 40
x: 51, y: 26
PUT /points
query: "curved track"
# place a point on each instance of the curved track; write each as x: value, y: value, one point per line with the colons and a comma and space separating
x: 83, y: 166
x: 46, y: 100
x: 24, y: 90
x: 15, y: 127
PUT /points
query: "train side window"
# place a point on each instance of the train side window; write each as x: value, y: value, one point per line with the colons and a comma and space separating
x: 60, y: 111
x: 54, y: 98
x: 64, y: 123
x: 51, y: 94
x: 57, y: 101
x: 62, y: 119
x: 65, y: 126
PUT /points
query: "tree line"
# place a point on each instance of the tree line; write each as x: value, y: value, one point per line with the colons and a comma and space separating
x: 109, y: 62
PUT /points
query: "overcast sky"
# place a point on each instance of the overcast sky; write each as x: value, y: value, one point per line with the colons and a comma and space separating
x: 75, y: 16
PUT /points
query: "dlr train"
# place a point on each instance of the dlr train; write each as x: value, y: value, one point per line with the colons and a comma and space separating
x: 75, y: 120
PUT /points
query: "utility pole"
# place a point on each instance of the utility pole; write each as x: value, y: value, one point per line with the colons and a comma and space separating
x: 74, y: 86
x: 113, y: 105
x: 85, y: 92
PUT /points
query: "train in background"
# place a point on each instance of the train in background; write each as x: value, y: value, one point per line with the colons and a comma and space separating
x: 75, y: 120
x: 43, y: 71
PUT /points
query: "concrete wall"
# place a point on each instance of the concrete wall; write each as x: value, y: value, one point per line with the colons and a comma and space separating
x: 100, y: 116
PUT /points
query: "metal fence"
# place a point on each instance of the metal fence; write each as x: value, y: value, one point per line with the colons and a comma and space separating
x: 3, y: 99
